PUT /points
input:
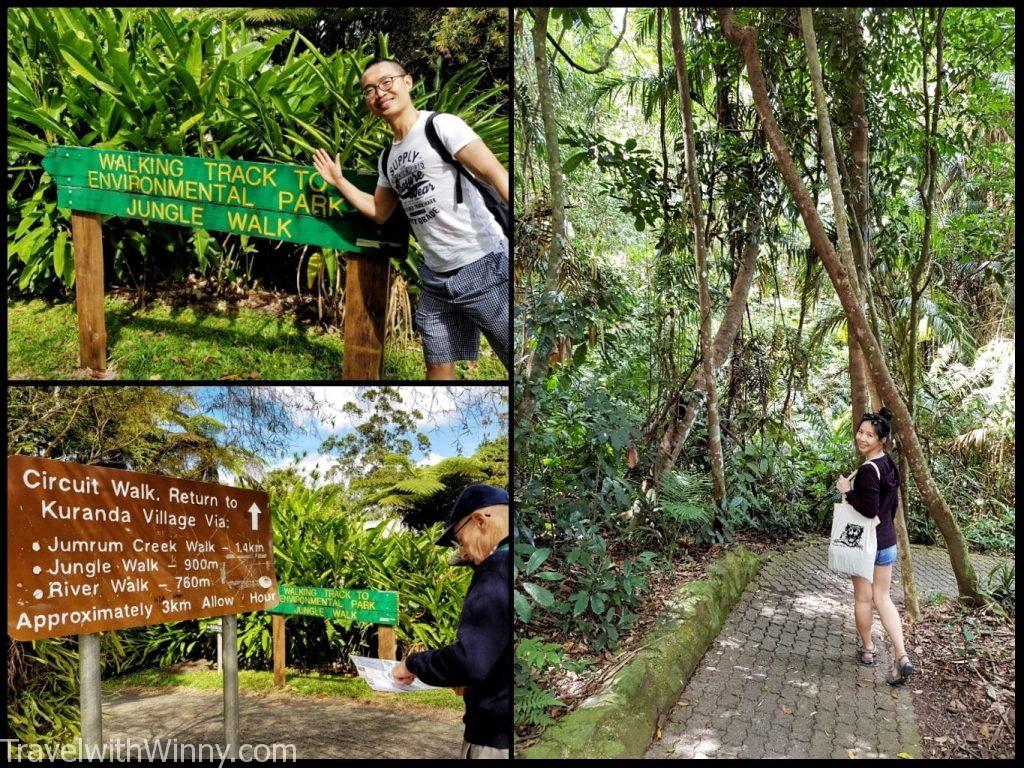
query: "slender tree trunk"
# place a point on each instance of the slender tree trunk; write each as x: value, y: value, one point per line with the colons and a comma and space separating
x: 545, y: 333
x: 859, y: 398
x: 745, y: 38
x: 918, y: 284
x: 910, y: 602
x: 859, y: 176
x: 704, y: 296
x: 674, y: 437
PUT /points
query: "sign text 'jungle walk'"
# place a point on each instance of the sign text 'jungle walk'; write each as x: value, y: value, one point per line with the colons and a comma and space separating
x: 271, y: 200
x: 92, y: 549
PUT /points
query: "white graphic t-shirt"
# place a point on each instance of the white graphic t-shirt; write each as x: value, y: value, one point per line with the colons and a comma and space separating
x: 450, y: 235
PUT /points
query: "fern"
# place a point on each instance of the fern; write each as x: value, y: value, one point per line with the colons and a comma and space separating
x: 684, y: 499
x: 424, y: 485
x: 532, y: 704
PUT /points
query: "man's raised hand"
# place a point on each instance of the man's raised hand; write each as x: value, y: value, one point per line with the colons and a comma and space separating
x: 329, y: 169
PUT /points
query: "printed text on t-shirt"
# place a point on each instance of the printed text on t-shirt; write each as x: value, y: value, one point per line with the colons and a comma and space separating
x: 407, y: 175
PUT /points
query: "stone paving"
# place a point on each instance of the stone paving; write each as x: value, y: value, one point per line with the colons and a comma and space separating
x: 313, y: 727
x: 781, y: 679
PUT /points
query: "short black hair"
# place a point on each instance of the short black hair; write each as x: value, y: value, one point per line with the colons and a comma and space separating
x: 881, y: 421
x: 375, y: 62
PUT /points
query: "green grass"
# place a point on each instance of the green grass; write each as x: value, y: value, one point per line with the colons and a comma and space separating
x: 296, y: 684
x: 160, y: 341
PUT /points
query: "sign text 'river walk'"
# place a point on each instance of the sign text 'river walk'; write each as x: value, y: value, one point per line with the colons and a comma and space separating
x: 271, y: 200
x: 91, y: 549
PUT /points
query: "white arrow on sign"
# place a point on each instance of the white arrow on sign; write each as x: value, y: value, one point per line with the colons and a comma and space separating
x: 254, y: 511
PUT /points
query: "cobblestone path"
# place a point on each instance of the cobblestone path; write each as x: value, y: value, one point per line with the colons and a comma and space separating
x: 781, y: 679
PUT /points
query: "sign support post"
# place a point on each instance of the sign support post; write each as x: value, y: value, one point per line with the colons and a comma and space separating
x: 276, y: 201
x: 87, y: 238
x: 387, y: 643
x: 229, y: 654
x: 279, y: 650
x: 366, y: 309
x: 90, y: 697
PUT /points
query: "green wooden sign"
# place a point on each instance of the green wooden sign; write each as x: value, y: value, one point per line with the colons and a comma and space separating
x: 363, y: 605
x: 271, y: 200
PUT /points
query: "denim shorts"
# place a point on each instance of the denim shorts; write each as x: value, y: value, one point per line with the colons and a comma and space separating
x: 456, y: 307
x: 886, y: 556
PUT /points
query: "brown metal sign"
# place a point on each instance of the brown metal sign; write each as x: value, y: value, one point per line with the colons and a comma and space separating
x: 91, y: 549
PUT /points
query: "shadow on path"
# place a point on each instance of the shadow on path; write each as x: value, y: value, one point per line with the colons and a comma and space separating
x: 781, y: 679
x: 318, y: 727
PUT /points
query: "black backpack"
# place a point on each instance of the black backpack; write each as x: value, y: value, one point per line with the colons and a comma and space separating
x: 494, y: 203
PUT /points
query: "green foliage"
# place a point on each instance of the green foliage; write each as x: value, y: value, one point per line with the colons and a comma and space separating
x: 781, y: 487
x: 532, y: 703
x: 165, y: 81
x: 321, y: 541
x: 1000, y: 589
x: 684, y: 506
x: 163, y: 341
x: 784, y: 383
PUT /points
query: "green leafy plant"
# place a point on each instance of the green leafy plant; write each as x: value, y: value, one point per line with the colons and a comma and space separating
x: 533, y: 704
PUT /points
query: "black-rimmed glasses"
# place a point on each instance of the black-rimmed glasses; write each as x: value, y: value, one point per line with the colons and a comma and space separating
x: 384, y: 85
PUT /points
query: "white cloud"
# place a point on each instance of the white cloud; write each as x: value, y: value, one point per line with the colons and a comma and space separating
x: 430, y: 459
x: 320, y: 463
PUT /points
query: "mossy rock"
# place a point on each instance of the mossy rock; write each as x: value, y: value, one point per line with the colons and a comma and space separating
x: 620, y: 720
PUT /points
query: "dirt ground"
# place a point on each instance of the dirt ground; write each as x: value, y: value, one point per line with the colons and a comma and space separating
x: 318, y: 727
x: 965, y: 682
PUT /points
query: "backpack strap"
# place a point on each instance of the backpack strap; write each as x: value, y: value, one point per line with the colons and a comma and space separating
x: 496, y: 206
x: 384, y: 161
x: 435, y: 141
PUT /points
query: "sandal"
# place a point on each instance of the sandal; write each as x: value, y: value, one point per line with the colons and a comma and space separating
x: 862, y: 652
x: 902, y: 671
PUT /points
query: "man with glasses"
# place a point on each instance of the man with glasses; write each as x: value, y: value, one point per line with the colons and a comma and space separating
x: 480, y: 660
x: 464, y: 276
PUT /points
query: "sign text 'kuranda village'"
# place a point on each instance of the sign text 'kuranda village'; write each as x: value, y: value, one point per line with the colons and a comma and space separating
x: 91, y: 549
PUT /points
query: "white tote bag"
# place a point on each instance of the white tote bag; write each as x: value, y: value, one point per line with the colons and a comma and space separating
x: 854, y: 542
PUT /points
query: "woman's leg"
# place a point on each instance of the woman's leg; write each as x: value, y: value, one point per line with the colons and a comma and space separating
x: 862, y: 611
x: 887, y: 610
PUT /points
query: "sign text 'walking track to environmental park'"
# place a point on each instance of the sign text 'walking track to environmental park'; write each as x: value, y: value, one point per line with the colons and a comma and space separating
x: 91, y: 549
x: 271, y: 200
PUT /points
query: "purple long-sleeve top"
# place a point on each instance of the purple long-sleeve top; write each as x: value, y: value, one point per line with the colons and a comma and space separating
x: 874, y: 494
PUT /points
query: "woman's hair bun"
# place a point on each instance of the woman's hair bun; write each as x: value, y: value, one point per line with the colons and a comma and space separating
x: 885, y: 413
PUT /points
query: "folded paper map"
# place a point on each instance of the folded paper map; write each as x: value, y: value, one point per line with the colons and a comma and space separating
x: 377, y: 674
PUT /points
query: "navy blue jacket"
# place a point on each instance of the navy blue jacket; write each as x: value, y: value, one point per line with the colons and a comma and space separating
x: 481, y: 657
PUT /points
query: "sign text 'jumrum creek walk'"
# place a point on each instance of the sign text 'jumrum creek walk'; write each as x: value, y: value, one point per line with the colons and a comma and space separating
x: 91, y: 549
x: 277, y: 201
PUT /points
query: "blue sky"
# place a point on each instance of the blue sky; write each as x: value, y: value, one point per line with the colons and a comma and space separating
x: 453, y: 429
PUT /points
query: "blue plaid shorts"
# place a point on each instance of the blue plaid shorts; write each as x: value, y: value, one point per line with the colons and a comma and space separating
x: 456, y: 307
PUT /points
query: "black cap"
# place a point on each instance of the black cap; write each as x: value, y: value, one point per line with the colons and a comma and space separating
x: 474, y: 497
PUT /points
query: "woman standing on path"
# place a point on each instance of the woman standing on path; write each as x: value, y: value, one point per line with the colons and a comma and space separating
x: 874, y: 493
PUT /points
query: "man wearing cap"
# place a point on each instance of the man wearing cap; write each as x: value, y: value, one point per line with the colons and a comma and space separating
x: 480, y: 660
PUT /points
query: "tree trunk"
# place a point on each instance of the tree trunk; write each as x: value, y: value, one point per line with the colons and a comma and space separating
x: 745, y: 38
x: 859, y: 398
x: 674, y: 437
x: 704, y: 296
x: 545, y: 335
x: 910, y: 601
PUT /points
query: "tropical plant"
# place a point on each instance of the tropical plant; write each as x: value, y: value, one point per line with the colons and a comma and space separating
x: 163, y: 81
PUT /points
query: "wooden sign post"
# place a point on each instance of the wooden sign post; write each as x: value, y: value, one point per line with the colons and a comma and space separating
x: 92, y: 549
x: 357, y: 605
x: 268, y: 200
